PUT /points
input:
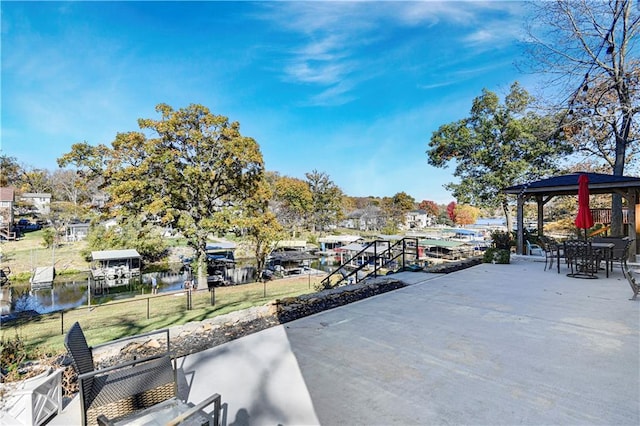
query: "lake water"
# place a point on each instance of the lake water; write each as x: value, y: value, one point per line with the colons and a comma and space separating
x: 69, y: 292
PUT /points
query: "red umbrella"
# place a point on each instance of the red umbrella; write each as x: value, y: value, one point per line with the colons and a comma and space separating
x: 583, y: 219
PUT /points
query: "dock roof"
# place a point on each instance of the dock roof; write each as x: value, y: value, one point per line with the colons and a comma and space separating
x: 115, y: 254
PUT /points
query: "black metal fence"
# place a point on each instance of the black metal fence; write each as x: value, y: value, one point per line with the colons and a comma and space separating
x: 139, y: 311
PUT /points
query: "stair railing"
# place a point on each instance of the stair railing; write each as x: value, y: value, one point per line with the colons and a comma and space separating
x: 381, y: 260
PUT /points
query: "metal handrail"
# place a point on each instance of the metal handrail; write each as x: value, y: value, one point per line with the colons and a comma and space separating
x: 386, y: 255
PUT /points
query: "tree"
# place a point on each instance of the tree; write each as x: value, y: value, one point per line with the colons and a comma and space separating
x: 465, y: 214
x: 327, y: 200
x: 264, y: 231
x: 195, y: 174
x: 498, y: 145
x: 260, y: 224
x: 430, y: 207
x: 397, y: 207
x: 130, y: 233
x: 10, y: 171
x: 69, y: 186
x: 293, y: 201
x: 451, y: 211
x: 48, y: 237
x: 35, y: 180
x: 588, y: 47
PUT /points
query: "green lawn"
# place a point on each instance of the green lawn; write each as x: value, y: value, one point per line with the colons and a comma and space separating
x: 129, y: 317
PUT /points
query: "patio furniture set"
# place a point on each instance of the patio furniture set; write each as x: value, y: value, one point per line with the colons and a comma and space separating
x: 584, y: 258
x: 140, y: 391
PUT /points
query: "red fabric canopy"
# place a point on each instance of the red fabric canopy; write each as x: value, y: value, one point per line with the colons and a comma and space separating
x: 584, y: 220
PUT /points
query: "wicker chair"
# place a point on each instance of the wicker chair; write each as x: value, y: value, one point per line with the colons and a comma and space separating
x: 121, y: 389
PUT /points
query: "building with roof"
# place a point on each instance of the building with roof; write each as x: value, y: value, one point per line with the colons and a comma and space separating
x: 115, y: 264
x: 418, y: 219
x: 7, y: 201
x: 542, y: 191
x: 332, y: 242
x: 40, y: 202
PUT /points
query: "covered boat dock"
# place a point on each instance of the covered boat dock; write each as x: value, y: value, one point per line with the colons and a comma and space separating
x: 115, y: 264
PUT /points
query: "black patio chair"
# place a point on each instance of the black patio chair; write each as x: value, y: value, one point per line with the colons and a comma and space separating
x: 582, y: 259
x: 113, y: 394
x: 553, y: 251
x: 620, y: 251
x: 631, y: 278
x: 621, y: 254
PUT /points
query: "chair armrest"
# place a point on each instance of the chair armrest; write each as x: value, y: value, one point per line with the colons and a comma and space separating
x: 215, y: 398
x: 103, y: 420
x: 119, y: 366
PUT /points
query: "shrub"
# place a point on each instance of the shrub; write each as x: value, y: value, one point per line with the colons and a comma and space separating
x: 13, y: 355
x: 48, y: 237
x: 502, y: 240
x: 497, y: 255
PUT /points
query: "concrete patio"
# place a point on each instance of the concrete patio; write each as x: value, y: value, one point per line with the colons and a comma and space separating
x: 492, y: 344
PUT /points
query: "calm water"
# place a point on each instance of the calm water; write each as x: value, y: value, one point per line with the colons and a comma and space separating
x: 69, y: 293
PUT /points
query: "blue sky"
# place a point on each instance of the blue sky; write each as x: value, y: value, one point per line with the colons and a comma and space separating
x: 351, y: 89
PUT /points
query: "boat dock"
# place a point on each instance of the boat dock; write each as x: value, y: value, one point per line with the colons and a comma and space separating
x: 42, y: 277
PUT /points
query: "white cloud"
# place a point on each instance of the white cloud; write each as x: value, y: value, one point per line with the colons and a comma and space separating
x: 331, y: 37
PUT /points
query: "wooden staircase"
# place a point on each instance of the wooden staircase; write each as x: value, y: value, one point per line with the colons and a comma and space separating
x: 6, y: 234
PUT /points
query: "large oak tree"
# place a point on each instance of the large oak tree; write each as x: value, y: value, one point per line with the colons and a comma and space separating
x: 498, y: 145
x: 190, y: 168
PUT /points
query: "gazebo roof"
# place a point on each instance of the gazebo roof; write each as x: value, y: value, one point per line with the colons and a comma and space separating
x: 568, y: 184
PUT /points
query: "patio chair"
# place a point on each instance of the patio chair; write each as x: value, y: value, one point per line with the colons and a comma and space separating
x: 534, y: 249
x: 621, y: 254
x: 582, y: 259
x: 553, y: 251
x: 631, y: 277
x: 620, y: 251
x: 112, y: 395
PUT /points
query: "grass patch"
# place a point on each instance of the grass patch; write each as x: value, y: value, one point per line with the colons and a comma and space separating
x: 27, y: 253
x: 112, y: 320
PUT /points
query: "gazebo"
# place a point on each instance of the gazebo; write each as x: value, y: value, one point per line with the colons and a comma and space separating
x: 542, y: 191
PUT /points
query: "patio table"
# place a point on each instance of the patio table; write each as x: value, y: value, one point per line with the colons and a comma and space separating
x: 606, y: 250
x: 171, y: 412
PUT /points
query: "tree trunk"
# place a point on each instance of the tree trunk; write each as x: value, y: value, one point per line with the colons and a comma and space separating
x: 202, y: 270
x: 616, y: 216
x: 618, y: 170
x: 507, y: 214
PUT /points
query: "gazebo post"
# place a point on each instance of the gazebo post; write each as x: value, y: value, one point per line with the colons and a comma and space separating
x: 520, y: 221
x: 540, y: 203
x: 634, y: 225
